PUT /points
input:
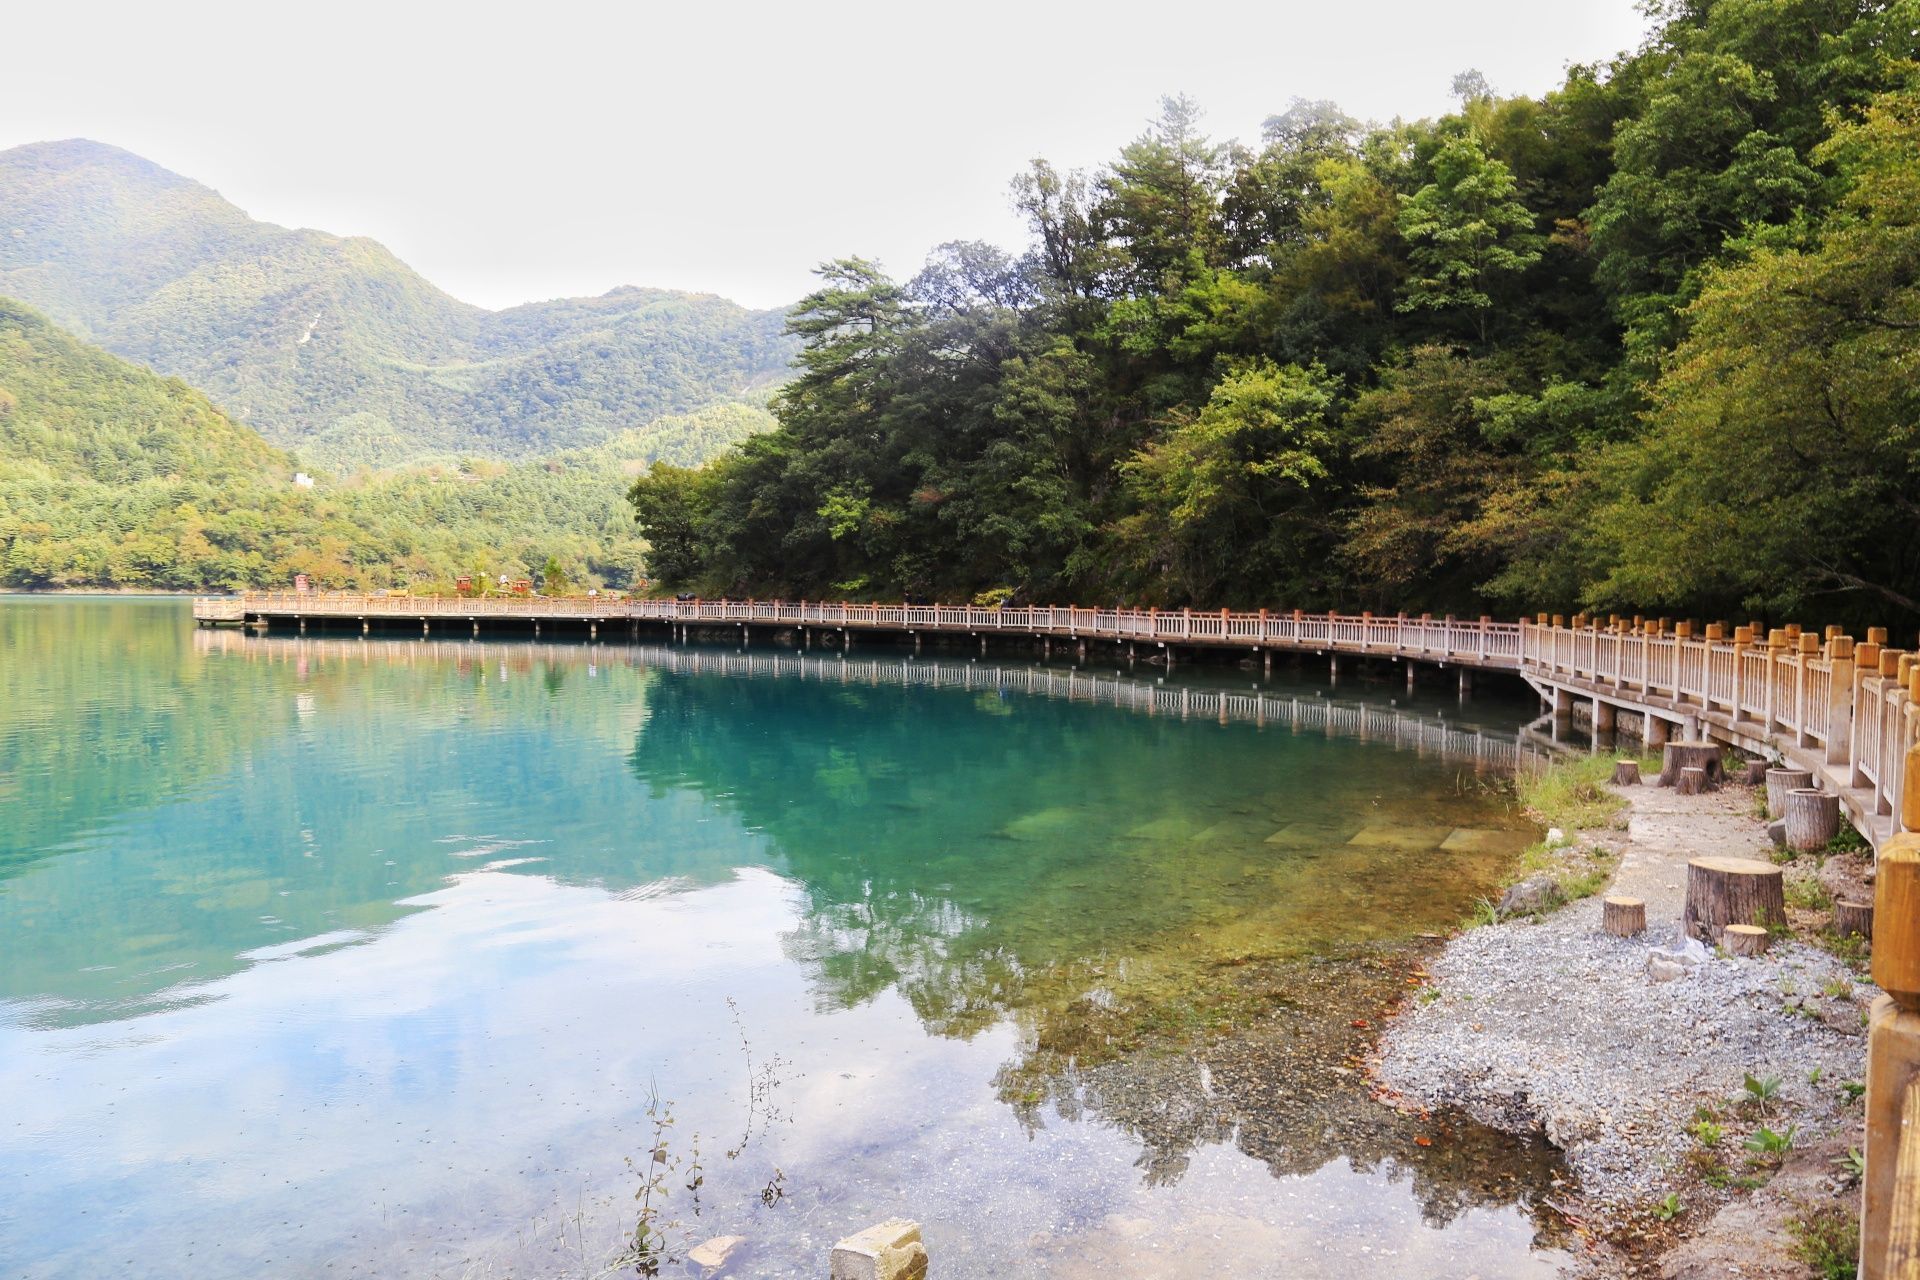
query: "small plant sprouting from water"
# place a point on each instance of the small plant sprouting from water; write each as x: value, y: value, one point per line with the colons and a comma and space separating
x: 658, y: 1239
x: 653, y: 1232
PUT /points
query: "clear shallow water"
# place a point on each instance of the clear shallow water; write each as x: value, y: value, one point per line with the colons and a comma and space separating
x: 344, y: 957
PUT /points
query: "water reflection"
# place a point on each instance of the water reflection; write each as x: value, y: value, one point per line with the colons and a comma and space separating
x: 1049, y: 947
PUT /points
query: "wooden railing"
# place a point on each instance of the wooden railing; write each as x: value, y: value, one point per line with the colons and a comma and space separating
x: 1480, y: 643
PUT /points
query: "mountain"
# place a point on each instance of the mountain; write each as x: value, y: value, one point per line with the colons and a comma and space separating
x: 331, y: 345
x: 112, y: 475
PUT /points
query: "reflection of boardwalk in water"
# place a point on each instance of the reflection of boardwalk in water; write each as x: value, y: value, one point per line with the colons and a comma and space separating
x: 1425, y: 734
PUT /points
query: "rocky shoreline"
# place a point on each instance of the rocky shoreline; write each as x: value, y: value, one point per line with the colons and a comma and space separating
x: 1633, y: 1056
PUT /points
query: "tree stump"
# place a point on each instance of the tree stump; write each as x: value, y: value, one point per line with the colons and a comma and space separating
x: 1690, y: 755
x: 1745, y: 939
x: 1813, y: 818
x: 1850, y: 918
x: 1781, y: 781
x: 1623, y: 917
x: 1626, y: 773
x: 1724, y: 891
x: 1692, y: 782
x: 1757, y: 773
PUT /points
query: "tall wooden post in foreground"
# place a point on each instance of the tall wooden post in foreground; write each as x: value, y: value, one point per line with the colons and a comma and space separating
x: 1890, y: 1194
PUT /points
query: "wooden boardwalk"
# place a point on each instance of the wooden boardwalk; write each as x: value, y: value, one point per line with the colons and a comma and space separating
x: 1843, y: 711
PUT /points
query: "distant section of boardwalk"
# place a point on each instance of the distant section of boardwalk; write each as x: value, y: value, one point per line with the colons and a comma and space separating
x: 1486, y: 643
x: 1846, y: 712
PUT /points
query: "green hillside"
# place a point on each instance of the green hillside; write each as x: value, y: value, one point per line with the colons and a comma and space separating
x: 111, y: 475
x: 331, y: 344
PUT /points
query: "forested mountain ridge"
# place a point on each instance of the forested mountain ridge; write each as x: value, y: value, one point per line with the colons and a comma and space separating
x: 1643, y: 342
x: 334, y: 346
x: 111, y: 475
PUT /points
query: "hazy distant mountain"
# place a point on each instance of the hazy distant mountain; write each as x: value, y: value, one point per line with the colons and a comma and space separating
x: 111, y: 475
x: 332, y: 345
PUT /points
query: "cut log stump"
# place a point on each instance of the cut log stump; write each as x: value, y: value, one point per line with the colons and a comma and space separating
x: 1690, y: 755
x: 1692, y: 782
x: 1781, y: 781
x: 1724, y: 891
x: 1813, y: 818
x: 1851, y: 918
x: 1626, y: 773
x: 1623, y: 917
x: 1745, y: 939
x: 1757, y: 773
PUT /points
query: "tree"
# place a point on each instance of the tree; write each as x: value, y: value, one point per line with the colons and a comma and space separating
x: 669, y: 504
x: 1781, y: 464
x: 1160, y: 201
x: 1467, y: 232
x: 1227, y: 496
x: 554, y: 579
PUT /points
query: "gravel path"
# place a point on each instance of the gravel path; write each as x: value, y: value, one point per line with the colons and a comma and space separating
x: 1551, y: 1023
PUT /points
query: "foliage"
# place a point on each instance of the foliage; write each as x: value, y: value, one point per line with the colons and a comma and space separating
x: 1827, y: 1238
x: 1570, y: 793
x: 1642, y: 341
x: 113, y: 476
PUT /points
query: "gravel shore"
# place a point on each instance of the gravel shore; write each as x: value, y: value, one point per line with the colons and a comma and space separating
x: 1549, y: 1023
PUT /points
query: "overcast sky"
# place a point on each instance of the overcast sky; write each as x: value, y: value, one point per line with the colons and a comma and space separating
x: 533, y: 150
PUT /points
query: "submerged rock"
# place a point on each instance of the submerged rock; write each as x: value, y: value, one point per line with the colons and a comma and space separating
x: 714, y: 1253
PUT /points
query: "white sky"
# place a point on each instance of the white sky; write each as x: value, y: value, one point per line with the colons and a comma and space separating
x: 532, y: 150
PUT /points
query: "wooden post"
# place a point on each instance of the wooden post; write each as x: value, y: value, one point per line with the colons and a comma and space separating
x: 1893, y: 1059
x: 1724, y: 891
x: 1813, y: 818
x: 1623, y: 917
x: 1839, y: 699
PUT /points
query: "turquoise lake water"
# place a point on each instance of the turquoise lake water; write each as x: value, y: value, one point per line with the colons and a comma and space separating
x: 342, y: 957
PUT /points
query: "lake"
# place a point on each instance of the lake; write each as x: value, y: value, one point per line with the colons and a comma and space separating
x: 335, y: 956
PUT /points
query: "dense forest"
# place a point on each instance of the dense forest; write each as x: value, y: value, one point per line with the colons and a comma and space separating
x: 1647, y: 341
x: 333, y: 346
x: 111, y: 475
